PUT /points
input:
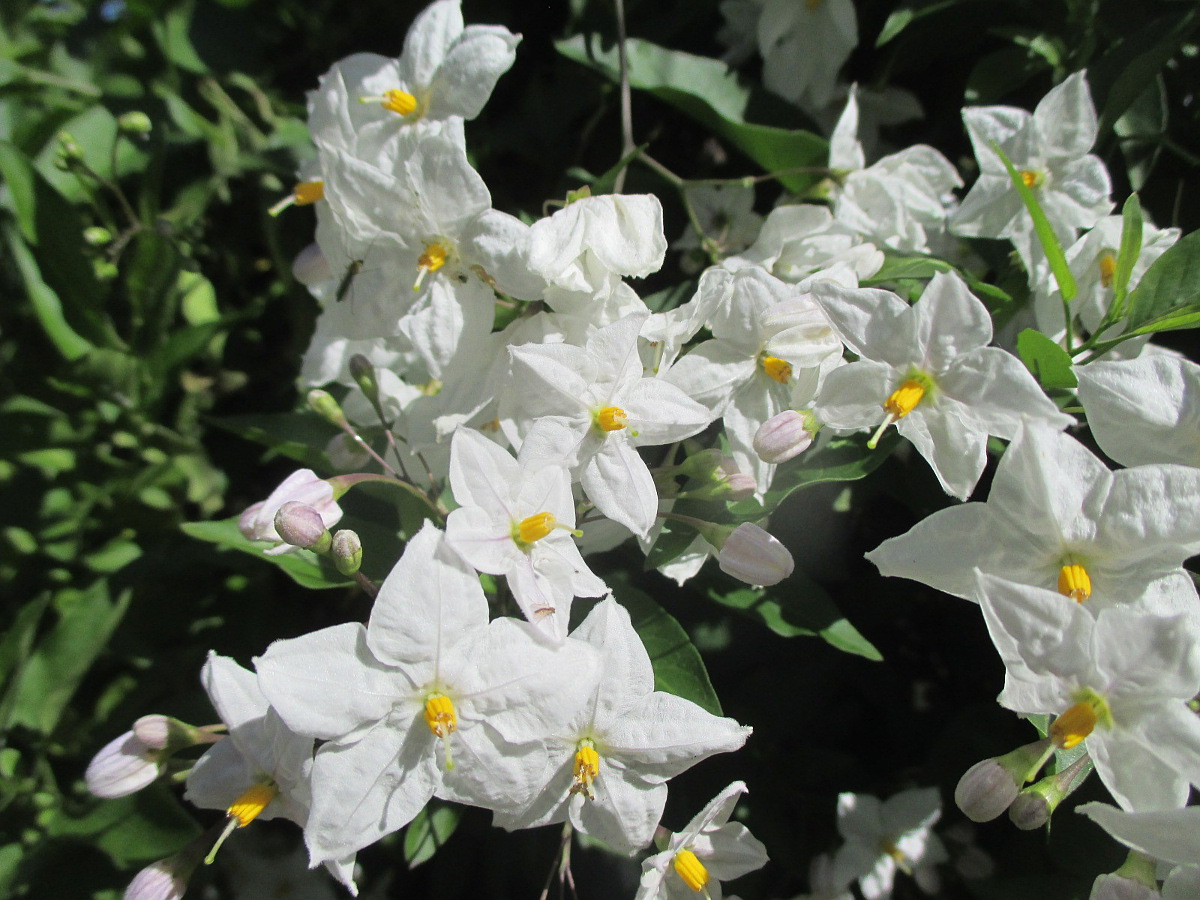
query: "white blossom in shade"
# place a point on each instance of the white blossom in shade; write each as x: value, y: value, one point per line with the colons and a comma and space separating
x: 1093, y: 261
x: 803, y: 46
x: 928, y: 369
x: 416, y: 704
x: 902, y: 201
x: 1170, y: 835
x: 606, y: 769
x: 771, y: 344
x: 584, y: 250
x: 1119, y: 681
x: 516, y: 518
x: 725, y: 213
x: 1049, y: 148
x: 797, y: 241
x: 261, y: 769
x: 1143, y: 411
x: 883, y: 837
x: 445, y: 74
x: 739, y: 32
x: 711, y: 849
x: 1057, y: 518
x: 257, y: 523
x: 603, y: 409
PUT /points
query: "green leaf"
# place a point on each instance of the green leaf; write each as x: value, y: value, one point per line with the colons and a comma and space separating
x: 171, y: 30
x: 294, y: 435
x: 1045, y: 232
x: 900, y: 268
x: 428, y: 831
x: 1127, y: 256
x: 678, y: 668
x: 142, y: 827
x: 95, y: 131
x: 47, y: 306
x: 709, y: 92
x: 1169, y: 292
x: 302, y: 566
x: 18, y: 190
x: 1049, y: 363
x: 798, y: 607
x: 49, y: 677
x: 904, y: 16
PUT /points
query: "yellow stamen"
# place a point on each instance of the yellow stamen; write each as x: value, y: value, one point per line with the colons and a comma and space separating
x: 431, y: 260
x: 1032, y: 178
x: 535, y: 527
x: 253, y: 801
x: 897, y: 856
x: 905, y: 398
x: 1108, y: 268
x: 691, y: 870
x: 442, y: 721
x: 1073, y: 725
x: 587, y: 767
x: 611, y: 418
x: 778, y: 369
x: 402, y: 103
x: 303, y: 194
x: 1074, y: 582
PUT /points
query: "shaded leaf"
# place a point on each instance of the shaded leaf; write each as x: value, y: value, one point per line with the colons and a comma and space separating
x: 1169, y: 293
x: 140, y: 828
x: 428, y: 831
x: 1049, y: 363
x: 302, y: 566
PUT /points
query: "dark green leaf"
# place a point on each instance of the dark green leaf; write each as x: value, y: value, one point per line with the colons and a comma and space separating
x: 1049, y: 363
x: 145, y: 826
x: 1127, y: 256
x: 427, y: 832
x: 302, y: 566
x: 294, y: 435
x: 45, y: 302
x: 1169, y: 291
x: 18, y: 193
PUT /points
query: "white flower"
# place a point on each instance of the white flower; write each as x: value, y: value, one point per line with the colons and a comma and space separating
x: 257, y: 523
x: 1120, y: 681
x: 1172, y: 835
x: 1050, y: 150
x: 607, y: 768
x: 928, y: 369
x: 516, y: 518
x: 711, y: 849
x: 803, y: 46
x: 727, y: 220
x: 797, y: 241
x: 885, y: 837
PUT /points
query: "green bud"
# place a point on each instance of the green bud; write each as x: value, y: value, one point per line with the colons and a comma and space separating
x: 363, y: 374
x: 347, y: 552
x: 97, y: 236
x: 322, y: 403
x: 135, y: 123
x: 68, y: 148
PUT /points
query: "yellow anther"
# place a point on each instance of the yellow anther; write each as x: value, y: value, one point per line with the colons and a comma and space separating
x: 535, y: 527
x: 1032, y: 178
x: 587, y: 767
x: 778, y: 369
x: 440, y: 716
x: 402, y: 103
x: 611, y: 418
x: 905, y: 398
x: 1108, y: 268
x: 303, y: 194
x: 691, y: 870
x: 1074, y: 725
x: 897, y: 856
x: 253, y: 801
x: 431, y: 260
x: 1074, y: 582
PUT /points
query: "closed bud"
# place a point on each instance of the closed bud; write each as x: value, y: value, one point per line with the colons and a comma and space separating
x: 124, y: 766
x: 154, y: 731
x: 135, y: 123
x: 97, y: 236
x: 301, y: 526
x: 754, y: 556
x: 311, y: 266
x: 322, y: 403
x: 363, y: 374
x: 985, y: 791
x: 347, y: 552
x: 784, y: 436
x: 168, y: 878
x: 68, y: 148
x: 1135, y: 880
x: 1034, y: 806
x: 702, y: 465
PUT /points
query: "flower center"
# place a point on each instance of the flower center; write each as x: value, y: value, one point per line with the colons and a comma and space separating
x: 402, y: 103
x: 1074, y: 582
x: 890, y: 849
x: 691, y: 870
x: 1108, y: 268
x: 303, y: 194
x: 442, y: 721
x: 244, y: 810
x: 777, y: 369
x: 611, y: 418
x: 1033, y: 177
x: 902, y: 401
x: 587, y: 767
x: 434, y: 257
x: 1080, y: 720
x: 535, y: 527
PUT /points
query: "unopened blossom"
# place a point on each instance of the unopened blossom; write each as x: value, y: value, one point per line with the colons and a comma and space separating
x: 890, y: 836
x: 755, y: 556
x: 1049, y: 149
x: 711, y: 849
x: 414, y: 705
x: 785, y: 435
x: 257, y: 523
x: 927, y: 369
x: 516, y: 518
x: 1118, y: 682
x: 1143, y: 411
x: 606, y: 769
x: 1057, y: 518
x: 125, y: 765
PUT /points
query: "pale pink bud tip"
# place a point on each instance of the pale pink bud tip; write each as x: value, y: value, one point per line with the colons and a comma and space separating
x: 1117, y: 887
x: 740, y: 486
x: 311, y: 266
x: 985, y: 791
x: 300, y: 525
x: 124, y: 766
x: 783, y: 436
x: 158, y: 881
x: 153, y: 731
x: 754, y: 556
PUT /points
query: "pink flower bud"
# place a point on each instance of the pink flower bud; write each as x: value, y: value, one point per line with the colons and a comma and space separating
x: 347, y: 551
x: 784, y: 436
x: 300, y: 525
x: 754, y: 556
x: 124, y: 766
x: 258, y: 522
x: 153, y: 731
x: 311, y: 266
x: 158, y: 881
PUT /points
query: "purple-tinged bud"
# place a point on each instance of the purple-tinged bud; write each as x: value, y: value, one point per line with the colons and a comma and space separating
x: 989, y: 787
x: 347, y: 552
x: 124, y: 766
x: 739, y: 486
x: 1135, y: 880
x: 301, y: 526
x: 311, y: 267
x: 1033, y: 808
x: 752, y: 555
x: 303, y: 486
x: 168, y: 878
x: 785, y: 435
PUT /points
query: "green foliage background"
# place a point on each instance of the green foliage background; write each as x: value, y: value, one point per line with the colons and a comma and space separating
x: 148, y: 382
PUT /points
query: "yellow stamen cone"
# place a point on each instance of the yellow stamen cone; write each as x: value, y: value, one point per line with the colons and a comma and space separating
x: 1074, y: 582
x: 587, y: 767
x: 611, y: 418
x: 304, y: 193
x: 431, y: 260
x: 691, y: 870
x: 1031, y: 177
x: 1108, y: 269
x: 777, y: 369
x: 1073, y: 725
x: 902, y: 401
x: 442, y: 721
x: 536, y: 527
x: 400, y: 102
x: 253, y: 801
